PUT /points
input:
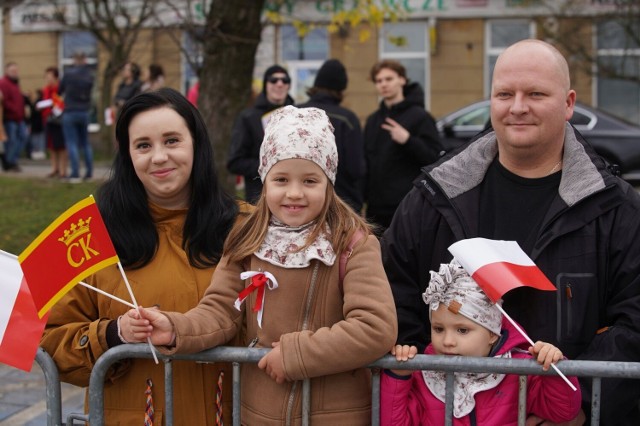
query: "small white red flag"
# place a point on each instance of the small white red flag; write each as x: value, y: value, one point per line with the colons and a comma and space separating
x: 20, y: 326
x: 498, y: 266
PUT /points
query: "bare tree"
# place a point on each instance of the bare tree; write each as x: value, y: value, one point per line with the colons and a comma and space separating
x: 618, y: 24
x: 116, y: 24
x: 116, y: 27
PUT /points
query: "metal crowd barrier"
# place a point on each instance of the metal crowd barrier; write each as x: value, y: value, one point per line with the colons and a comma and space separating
x: 596, y: 370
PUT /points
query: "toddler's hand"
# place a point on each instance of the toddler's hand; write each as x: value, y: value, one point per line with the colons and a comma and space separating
x: 273, y: 364
x: 403, y: 353
x: 545, y: 353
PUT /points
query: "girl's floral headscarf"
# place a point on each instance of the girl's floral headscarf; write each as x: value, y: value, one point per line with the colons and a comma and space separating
x: 453, y: 287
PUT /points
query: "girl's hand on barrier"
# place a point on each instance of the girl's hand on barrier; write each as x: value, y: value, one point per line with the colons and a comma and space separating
x: 150, y: 322
x: 273, y: 364
x: 545, y: 353
x: 403, y: 353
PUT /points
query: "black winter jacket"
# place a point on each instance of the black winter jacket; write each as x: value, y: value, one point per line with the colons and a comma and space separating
x: 246, y: 138
x: 587, y: 246
x: 391, y: 167
x: 351, y: 165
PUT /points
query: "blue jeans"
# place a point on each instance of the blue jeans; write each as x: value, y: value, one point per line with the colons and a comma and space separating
x: 38, y: 142
x: 76, y: 135
x: 16, y: 138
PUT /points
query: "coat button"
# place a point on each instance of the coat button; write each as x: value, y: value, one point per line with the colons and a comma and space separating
x: 84, y: 340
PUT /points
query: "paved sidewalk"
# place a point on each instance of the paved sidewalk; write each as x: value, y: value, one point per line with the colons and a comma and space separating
x: 41, y: 168
x: 22, y: 397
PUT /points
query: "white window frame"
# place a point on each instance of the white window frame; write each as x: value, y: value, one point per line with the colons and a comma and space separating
x: 491, y: 51
x: 294, y: 65
x: 424, y: 55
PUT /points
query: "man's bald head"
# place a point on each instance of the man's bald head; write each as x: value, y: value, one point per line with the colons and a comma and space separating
x: 540, y: 50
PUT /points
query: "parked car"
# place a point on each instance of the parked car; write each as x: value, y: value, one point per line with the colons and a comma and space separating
x: 614, y: 139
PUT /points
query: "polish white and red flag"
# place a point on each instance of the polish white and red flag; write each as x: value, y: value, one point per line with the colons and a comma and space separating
x: 20, y: 325
x: 499, y: 266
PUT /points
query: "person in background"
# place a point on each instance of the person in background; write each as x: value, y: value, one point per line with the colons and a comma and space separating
x: 76, y: 87
x: 3, y: 137
x: 193, y: 93
x: 248, y: 129
x: 52, y: 117
x: 317, y: 323
x: 465, y: 322
x: 163, y: 183
x: 37, y: 135
x: 130, y: 86
x: 13, y: 117
x: 155, y: 78
x: 534, y: 180
x: 400, y: 138
x: 327, y: 94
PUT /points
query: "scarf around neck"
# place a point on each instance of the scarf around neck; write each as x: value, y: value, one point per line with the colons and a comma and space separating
x: 465, y: 386
x: 282, y: 243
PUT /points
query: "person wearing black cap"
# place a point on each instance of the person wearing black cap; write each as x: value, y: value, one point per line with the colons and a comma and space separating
x: 248, y: 129
x: 327, y: 94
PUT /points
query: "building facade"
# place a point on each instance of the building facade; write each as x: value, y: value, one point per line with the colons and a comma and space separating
x: 449, y: 46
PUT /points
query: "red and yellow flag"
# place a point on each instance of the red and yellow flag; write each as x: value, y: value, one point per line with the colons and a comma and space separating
x: 73, y: 247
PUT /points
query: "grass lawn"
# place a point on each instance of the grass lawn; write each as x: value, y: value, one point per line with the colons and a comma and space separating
x: 28, y: 206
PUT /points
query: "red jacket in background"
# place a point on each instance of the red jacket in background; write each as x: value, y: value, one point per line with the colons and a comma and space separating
x: 12, y: 100
x: 51, y: 92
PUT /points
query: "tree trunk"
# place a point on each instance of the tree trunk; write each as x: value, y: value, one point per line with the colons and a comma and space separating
x: 232, y: 36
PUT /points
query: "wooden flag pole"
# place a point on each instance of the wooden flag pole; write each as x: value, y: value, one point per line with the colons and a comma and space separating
x: 531, y: 342
x: 133, y: 299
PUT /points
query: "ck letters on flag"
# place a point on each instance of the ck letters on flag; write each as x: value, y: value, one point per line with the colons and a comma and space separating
x: 499, y: 266
x: 73, y: 247
x: 20, y: 327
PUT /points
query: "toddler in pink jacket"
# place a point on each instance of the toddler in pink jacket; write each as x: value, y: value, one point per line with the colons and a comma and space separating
x: 465, y: 322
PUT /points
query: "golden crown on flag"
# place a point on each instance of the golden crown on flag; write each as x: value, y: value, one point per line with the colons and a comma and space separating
x: 75, y: 231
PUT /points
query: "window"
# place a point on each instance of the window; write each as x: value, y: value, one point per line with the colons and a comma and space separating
x: 619, y: 54
x: 408, y: 43
x: 303, y: 57
x: 500, y: 35
x: 82, y: 41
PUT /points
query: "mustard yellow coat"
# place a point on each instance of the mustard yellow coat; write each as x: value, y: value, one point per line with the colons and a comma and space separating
x: 75, y: 335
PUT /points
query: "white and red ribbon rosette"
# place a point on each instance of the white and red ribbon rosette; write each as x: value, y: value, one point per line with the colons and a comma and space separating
x: 259, y: 280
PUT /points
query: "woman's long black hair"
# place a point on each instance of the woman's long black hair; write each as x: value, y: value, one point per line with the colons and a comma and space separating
x: 122, y: 199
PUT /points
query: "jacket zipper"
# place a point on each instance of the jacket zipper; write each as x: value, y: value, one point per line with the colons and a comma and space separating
x: 569, y: 314
x: 305, y: 324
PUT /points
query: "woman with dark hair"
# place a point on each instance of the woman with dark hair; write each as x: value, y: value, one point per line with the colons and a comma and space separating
x: 155, y: 78
x: 130, y: 86
x: 168, y: 218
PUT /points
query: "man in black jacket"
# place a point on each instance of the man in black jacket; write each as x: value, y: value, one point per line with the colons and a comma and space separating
x: 400, y: 137
x: 327, y: 94
x: 248, y: 130
x: 536, y: 181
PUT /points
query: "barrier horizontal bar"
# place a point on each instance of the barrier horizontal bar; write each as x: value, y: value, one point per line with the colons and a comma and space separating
x: 602, y: 369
